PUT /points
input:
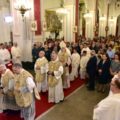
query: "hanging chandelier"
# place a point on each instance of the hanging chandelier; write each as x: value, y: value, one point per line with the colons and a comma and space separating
x: 102, y: 18
x: 22, y: 6
x: 112, y: 19
x: 88, y: 14
x: 62, y: 10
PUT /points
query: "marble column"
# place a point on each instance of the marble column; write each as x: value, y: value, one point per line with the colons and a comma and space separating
x: 107, y: 20
x: 90, y: 18
x: 22, y: 33
x: 96, y: 27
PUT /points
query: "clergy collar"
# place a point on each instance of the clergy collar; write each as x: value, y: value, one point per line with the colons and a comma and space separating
x: 42, y: 58
x: 57, y: 59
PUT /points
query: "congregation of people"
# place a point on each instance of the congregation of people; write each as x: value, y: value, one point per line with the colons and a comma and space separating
x: 56, y: 65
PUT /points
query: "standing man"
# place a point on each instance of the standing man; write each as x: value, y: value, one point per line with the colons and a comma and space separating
x: 41, y: 67
x: 55, y: 71
x: 110, y: 52
x: 5, y: 56
x: 64, y: 57
x: 91, y: 70
x: 34, y: 53
x: 109, y: 108
x: 16, y: 53
x: 83, y: 63
x: 24, y: 92
x: 7, y: 89
x: 86, y: 48
x: 75, y: 64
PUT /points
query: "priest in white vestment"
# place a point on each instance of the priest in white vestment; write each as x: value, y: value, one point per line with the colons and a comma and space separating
x: 16, y: 53
x: 109, y: 108
x: 75, y: 58
x: 55, y: 71
x: 86, y: 48
x: 7, y: 98
x: 65, y: 58
x: 41, y: 67
x: 4, y: 55
x: 83, y: 63
x: 24, y: 92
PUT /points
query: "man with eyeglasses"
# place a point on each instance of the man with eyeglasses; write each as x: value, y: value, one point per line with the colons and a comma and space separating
x: 109, y: 108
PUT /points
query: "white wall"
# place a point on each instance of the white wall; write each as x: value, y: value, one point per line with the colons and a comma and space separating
x: 5, y: 27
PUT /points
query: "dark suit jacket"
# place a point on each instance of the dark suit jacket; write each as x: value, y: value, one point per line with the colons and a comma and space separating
x: 92, y: 65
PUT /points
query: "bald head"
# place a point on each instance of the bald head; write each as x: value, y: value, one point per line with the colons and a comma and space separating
x: 41, y: 54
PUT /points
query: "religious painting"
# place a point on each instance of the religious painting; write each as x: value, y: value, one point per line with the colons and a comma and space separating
x: 53, y: 22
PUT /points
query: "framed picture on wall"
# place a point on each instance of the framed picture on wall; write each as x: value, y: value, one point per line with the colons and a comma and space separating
x: 34, y: 25
x: 74, y: 29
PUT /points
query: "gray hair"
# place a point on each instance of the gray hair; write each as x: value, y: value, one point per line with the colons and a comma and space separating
x: 17, y: 65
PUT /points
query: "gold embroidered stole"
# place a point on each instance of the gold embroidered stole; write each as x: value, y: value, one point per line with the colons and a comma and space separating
x: 5, y: 81
x: 53, y: 66
x: 63, y: 57
x: 40, y: 77
x: 22, y: 99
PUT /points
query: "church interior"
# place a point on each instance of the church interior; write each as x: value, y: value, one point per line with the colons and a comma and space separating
x: 70, y: 52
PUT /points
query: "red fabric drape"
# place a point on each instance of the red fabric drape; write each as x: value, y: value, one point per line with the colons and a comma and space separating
x: 37, y: 15
x: 76, y: 18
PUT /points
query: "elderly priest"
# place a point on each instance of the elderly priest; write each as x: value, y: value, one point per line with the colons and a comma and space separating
x: 109, y: 108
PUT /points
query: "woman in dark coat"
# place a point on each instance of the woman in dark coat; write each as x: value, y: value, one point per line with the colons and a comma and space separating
x: 104, y: 72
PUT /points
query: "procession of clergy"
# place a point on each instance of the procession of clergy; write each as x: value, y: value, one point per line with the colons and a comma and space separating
x: 19, y: 89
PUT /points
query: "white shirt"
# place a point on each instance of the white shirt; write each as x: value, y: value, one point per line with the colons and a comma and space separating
x: 108, y: 109
x: 30, y: 84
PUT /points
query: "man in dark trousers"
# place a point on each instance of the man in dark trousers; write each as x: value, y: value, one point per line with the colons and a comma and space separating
x: 91, y: 70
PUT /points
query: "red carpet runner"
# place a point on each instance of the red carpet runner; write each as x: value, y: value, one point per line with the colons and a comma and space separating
x: 42, y: 105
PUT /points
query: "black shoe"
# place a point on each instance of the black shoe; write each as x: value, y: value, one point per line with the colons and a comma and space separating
x: 90, y: 89
x: 62, y: 100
